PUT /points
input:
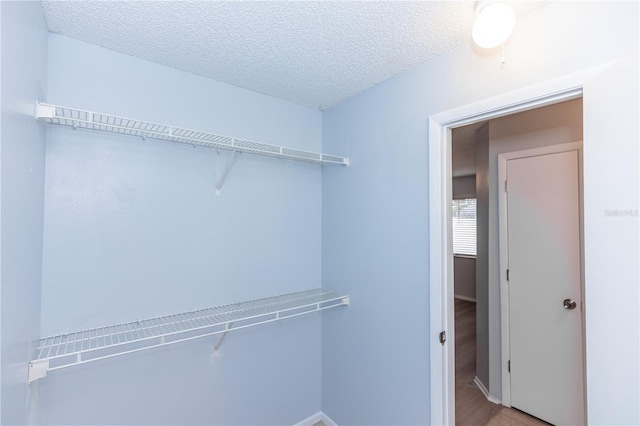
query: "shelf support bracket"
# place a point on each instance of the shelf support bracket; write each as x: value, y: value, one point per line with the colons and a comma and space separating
x: 225, y: 173
x: 216, y: 350
x: 38, y: 369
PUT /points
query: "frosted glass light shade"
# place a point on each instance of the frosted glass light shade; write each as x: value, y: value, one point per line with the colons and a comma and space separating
x: 493, y: 25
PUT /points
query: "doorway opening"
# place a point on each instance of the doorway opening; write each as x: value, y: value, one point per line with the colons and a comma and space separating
x: 442, y: 358
x: 477, y: 271
x: 609, y: 247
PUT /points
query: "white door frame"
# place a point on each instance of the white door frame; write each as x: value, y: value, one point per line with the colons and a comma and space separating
x: 441, y: 313
x: 504, y: 254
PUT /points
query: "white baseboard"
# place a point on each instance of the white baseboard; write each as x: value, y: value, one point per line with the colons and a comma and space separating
x: 481, y: 386
x: 468, y: 299
x: 485, y: 392
x: 319, y: 416
x: 327, y: 420
x: 495, y: 400
x: 311, y: 420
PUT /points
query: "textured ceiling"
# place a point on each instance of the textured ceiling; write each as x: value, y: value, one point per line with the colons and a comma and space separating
x: 313, y: 53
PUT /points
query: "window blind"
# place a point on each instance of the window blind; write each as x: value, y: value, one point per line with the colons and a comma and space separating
x: 464, y: 226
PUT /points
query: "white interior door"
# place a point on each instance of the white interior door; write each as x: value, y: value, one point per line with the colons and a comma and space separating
x: 545, y: 301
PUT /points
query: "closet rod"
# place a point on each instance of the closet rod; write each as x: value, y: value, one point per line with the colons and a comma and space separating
x: 82, y: 119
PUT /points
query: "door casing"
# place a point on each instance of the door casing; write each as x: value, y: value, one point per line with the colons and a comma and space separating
x: 504, y: 257
x: 441, y: 312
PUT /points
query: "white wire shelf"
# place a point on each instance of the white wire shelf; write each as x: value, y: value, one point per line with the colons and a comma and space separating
x: 81, y: 119
x: 69, y: 349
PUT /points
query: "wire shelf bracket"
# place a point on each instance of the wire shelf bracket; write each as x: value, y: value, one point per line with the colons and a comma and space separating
x: 216, y: 350
x: 227, y: 168
x: 70, y: 349
x: 88, y: 120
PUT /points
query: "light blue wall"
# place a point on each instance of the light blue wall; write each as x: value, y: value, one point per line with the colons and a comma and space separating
x: 22, y: 153
x: 133, y: 230
x: 375, y: 368
x: 0, y: 221
x: 375, y: 240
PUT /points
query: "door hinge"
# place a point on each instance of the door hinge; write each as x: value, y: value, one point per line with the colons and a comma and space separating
x: 506, y: 186
x: 507, y: 275
x: 443, y: 337
x: 509, y: 366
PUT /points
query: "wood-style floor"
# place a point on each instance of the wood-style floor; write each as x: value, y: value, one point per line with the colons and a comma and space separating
x: 472, y: 408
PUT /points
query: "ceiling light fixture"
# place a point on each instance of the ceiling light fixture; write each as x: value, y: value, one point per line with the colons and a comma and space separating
x: 493, y: 25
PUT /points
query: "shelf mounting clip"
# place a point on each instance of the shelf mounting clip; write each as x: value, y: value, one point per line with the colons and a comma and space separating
x: 38, y: 369
x: 45, y: 111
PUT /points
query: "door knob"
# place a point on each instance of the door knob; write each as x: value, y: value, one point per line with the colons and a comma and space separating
x: 569, y: 304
